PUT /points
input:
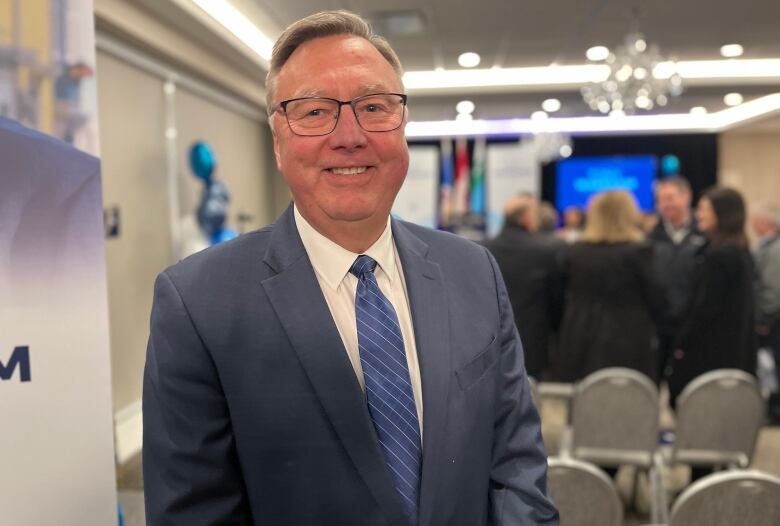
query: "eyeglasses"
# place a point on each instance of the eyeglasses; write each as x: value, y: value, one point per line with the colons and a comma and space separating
x: 312, y: 116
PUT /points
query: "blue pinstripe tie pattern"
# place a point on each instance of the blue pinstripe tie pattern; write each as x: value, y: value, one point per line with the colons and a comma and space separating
x: 388, y: 388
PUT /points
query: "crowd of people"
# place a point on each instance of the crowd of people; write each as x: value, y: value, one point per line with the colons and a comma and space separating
x: 672, y: 295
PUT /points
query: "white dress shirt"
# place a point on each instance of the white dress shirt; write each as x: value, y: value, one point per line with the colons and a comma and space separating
x: 331, y: 264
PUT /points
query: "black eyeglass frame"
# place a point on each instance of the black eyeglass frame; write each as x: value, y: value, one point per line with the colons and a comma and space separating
x: 283, y: 106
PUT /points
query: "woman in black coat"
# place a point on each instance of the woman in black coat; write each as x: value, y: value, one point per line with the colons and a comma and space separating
x: 718, y: 331
x: 611, y: 296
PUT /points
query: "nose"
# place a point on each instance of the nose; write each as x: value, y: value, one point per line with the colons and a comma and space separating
x: 348, y: 134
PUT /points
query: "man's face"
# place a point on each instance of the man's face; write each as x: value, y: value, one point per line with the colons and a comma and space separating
x: 706, y: 218
x: 673, y: 203
x: 760, y: 225
x: 319, y: 170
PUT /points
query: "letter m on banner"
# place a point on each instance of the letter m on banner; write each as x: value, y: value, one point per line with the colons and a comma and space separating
x: 19, y: 358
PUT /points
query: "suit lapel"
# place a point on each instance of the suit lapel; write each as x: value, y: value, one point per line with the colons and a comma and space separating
x: 300, y: 306
x: 430, y: 317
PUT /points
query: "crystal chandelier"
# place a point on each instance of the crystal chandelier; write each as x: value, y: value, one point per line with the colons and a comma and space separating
x: 639, y: 79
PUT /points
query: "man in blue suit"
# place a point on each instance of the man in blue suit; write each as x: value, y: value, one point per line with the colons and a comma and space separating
x: 339, y: 367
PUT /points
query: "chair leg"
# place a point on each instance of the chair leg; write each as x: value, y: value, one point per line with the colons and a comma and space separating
x: 659, y: 507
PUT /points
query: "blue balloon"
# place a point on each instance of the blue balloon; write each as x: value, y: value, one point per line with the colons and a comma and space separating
x: 223, y: 234
x: 202, y: 160
x: 670, y: 165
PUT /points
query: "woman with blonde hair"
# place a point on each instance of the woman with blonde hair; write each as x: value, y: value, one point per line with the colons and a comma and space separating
x: 612, y: 299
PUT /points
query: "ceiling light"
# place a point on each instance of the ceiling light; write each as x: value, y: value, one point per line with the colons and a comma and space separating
x: 458, y: 79
x: 465, y: 106
x: 617, y: 113
x: 698, y: 72
x: 733, y: 99
x: 469, y: 60
x: 539, y: 115
x: 551, y: 105
x: 597, y: 53
x: 643, y: 102
x: 698, y: 110
x: 731, y: 51
x: 712, y: 122
x: 629, y: 80
x: 237, y: 23
x: 565, y: 151
x: 464, y: 117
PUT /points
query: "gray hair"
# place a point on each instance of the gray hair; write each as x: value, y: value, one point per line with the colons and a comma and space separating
x: 770, y: 212
x: 319, y: 25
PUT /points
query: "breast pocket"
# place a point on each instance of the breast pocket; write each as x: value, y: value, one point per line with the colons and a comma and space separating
x: 479, y: 366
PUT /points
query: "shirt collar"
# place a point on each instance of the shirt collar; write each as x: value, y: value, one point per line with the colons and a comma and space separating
x: 332, y: 261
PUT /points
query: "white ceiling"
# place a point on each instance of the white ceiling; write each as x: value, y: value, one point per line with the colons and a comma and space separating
x: 515, y: 33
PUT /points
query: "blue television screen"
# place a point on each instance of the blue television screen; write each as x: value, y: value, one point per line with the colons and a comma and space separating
x: 578, y: 178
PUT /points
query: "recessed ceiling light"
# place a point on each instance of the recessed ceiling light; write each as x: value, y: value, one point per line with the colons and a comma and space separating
x: 597, y: 53
x: 731, y: 51
x: 469, y: 60
x: 465, y: 106
x: 698, y: 110
x: 551, y: 105
x: 733, y: 99
x: 539, y: 115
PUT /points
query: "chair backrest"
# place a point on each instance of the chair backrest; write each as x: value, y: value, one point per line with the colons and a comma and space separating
x: 719, y: 415
x: 729, y: 498
x: 583, y: 493
x: 615, y: 418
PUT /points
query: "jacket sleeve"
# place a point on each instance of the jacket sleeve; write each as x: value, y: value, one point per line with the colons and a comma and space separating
x: 191, y: 473
x: 518, y: 478
x: 651, y: 289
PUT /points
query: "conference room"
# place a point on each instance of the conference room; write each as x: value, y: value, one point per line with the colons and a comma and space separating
x: 601, y: 175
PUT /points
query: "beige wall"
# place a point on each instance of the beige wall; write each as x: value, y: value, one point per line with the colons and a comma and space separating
x: 130, y: 105
x: 133, y: 148
x: 239, y: 144
x: 749, y: 160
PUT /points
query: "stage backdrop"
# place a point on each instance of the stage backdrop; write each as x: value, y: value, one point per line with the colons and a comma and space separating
x: 56, y: 441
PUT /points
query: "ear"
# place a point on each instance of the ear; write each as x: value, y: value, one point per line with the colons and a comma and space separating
x: 277, y: 149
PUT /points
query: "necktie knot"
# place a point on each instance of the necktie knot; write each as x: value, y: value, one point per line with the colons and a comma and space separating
x: 363, y: 264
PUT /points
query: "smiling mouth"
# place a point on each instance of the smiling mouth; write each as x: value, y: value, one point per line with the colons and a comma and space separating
x: 353, y: 170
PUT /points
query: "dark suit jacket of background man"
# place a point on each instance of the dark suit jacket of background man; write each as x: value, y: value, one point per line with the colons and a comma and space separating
x: 530, y: 265
x: 253, y: 413
x: 674, y: 265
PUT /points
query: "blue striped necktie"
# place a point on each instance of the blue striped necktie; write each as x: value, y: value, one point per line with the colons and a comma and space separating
x: 388, y: 388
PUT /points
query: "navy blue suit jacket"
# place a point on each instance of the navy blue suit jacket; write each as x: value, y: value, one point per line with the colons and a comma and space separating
x: 253, y: 413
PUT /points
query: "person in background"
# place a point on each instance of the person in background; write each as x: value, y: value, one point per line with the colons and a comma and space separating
x: 530, y: 266
x: 675, y: 240
x: 611, y: 298
x: 548, y: 219
x: 766, y: 225
x: 573, y: 224
x: 718, y: 330
x: 339, y: 367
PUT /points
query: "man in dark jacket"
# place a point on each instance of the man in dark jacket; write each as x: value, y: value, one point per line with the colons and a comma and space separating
x: 766, y: 225
x: 530, y: 264
x: 675, y: 240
